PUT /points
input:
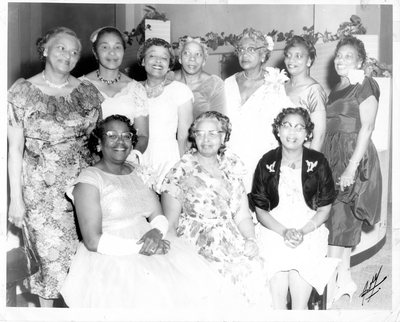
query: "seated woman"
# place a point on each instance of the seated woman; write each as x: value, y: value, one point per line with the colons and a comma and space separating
x: 292, y: 193
x: 125, y: 259
x: 208, y: 90
x: 204, y: 199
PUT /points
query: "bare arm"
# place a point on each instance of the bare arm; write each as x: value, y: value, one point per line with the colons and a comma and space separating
x: 185, y: 119
x: 319, y: 120
x: 319, y: 218
x: 141, y: 124
x: 172, y: 209
x: 16, y: 143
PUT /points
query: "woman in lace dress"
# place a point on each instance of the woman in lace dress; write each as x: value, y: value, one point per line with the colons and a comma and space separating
x: 126, y: 258
x: 204, y: 199
x: 170, y: 107
x: 50, y: 116
x: 292, y: 193
x: 208, y: 90
x: 122, y: 95
x: 253, y: 104
x: 303, y: 90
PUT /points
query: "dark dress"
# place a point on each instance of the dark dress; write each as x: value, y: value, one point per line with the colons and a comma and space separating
x: 362, y: 201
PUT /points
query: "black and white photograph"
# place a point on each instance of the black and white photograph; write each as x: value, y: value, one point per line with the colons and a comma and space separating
x: 200, y: 161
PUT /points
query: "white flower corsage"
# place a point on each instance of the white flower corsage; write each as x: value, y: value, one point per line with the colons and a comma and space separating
x: 274, y: 79
x: 311, y: 165
x: 271, y: 167
x: 270, y: 43
x: 356, y: 76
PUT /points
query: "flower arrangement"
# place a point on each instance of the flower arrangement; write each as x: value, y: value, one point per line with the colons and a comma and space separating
x: 139, y: 31
x: 373, y: 68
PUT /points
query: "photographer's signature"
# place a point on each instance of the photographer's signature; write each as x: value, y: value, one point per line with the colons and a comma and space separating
x: 371, y: 288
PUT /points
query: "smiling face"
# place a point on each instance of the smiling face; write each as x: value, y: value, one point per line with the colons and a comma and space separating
x: 346, y: 59
x: 192, y: 58
x: 208, y: 140
x: 156, y: 61
x: 110, y: 50
x: 297, y: 59
x: 62, y: 52
x: 292, y: 132
x: 115, y: 151
x: 250, y: 60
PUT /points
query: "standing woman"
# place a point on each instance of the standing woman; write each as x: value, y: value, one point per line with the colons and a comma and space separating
x: 351, y: 114
x: 122, y: 95
x: 50, y: 116
x: 208, y: 90
x: 170, y: 108
x: 303, y: 90
x: 250, y: 109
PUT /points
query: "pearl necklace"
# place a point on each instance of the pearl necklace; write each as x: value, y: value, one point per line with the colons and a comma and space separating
x: 106, y: 81
x: 50, y: 84
x: 154, y: 91
x: 251, y: 78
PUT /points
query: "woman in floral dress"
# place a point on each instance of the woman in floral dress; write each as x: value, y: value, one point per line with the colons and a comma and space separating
x: 50, y: 116
x: 204, y: 199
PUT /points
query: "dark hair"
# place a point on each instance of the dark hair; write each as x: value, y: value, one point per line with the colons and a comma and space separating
x: 309, y: 125
x: 223, y: 120
x: 106, y: 30
x: 356, y: 43
x: 299, y: 40
x: 156, y: 42
x: 41, y: 42
x: 98, y: 132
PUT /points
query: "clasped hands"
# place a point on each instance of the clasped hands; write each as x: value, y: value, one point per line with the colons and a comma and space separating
x: 293, y: 237
x: 251, y: 249
x: 153, y: 243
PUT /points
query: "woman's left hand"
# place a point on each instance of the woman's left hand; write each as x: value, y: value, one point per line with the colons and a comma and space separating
x: 347, y: 178
x: 151, y: 241
x: 293, y: 237
x: 250, y: 248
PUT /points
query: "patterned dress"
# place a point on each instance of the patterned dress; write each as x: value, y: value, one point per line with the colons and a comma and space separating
x: 56, y: 130
x: 362, y: 201
x: 207, y: 220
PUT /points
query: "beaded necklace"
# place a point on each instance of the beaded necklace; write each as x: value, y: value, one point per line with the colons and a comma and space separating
x: 154, y: 91
x: 106, y: 81
x: 50, y: 84
x: 251, y: 78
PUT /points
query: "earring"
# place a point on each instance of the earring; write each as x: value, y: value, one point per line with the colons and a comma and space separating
x: 44, y: 54
x: 98, y: 148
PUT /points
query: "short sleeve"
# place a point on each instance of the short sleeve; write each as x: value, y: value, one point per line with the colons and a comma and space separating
x: 172, y: 183
x: 316, y: 99
x: 17, y: 97
x: 368, y: 88
x: 259, y: 195
x: 89, y: 176
x: 140, y: 97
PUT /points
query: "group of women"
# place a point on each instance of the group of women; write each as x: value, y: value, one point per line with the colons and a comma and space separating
x: 191, y: 191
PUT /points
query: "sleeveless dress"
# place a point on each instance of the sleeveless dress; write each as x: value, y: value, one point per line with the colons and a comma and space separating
x: 309, y: 258
x: 162, y: 151
x: 180, y: 279
x: 209, y: 96
x: 362, y: 201
x: 252, y: 134
x: 56, y: 130
x: 207, y: 221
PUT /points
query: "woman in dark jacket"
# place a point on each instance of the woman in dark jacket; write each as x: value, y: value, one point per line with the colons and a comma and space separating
x: 292, y: 194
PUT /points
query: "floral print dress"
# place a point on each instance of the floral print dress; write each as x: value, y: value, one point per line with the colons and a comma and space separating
x: 207, y: 220
x: 56, y: 130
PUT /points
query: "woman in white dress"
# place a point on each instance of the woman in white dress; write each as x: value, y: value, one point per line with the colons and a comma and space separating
x: 292, y: 193
x: 170, y: 108
x: 252, y: 101
x: 126, y: 258
x: 122, y: 94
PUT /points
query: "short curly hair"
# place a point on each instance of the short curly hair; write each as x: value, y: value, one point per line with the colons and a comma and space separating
x: 223, y: 120
x: 41, y: 42
x: 356, y: 43
x: 259, y: 37
x: 96, y: 35
x: 309, y: 125
x: 299, y: 40
x: 156, y: 42
x: 182, y: 41
x: 99, y: 131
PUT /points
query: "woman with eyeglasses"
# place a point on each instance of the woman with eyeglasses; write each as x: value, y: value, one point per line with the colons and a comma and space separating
x: 204, y: 199
x: 170, y: 108
x: 126, y: 258
x: 292, y: 193
x: 249, y: 106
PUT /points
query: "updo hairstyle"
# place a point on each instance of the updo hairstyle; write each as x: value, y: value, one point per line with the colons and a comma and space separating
x: 96, y: 35
x: 299, y: 40
x: 182, y: 41
x: 262, y: 39
x: 356, y: 43
x: 156, y: 42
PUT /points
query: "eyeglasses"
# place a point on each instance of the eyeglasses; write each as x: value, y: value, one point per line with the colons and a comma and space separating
x: 211, y: 134
x: 298, y: 128
x: 113, y: 136
x: 249, y: 50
